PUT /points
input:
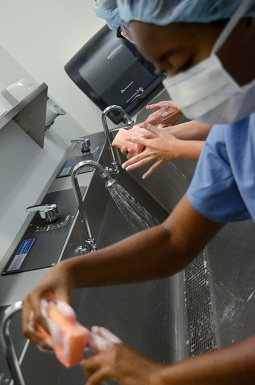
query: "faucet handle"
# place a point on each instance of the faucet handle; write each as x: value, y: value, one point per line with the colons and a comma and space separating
x: 129, y: 122
x: 47, y: 212
x: 84, y: 144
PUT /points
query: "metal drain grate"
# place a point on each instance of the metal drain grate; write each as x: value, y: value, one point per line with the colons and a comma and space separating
x: 201, y: 337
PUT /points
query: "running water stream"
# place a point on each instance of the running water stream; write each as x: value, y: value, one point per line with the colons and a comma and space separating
x: 136, y: 215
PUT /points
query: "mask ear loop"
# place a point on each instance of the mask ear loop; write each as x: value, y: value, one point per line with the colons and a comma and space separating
x: 231, y: 25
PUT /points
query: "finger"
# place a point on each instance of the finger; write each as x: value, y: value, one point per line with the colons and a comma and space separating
x: 163, y: 103
x: 131, y: 151
x: 151, y: 170
x: 151, y: 107
x: 61, y: 294
x: 97, y: 343
x: 31, y: 305
x: 158, y: 105
x: 124, y: 150
x: 149, y: 127
x: 164, y: 112
x: 141, y: 163
x: 142, y: 139
x: 45, y: 348
x: 94, y: 362
x: 105, y: 333
x: 65, y: 309
x: 98, y: 377
x: 154, y: 118
x: 137, y: 127
x: 134, y: 159
x: 36, y: 338
x: 129, y: 156
x: 88, y: 372
x: 27, y: 322
x: 137, y: 139
x: 31, y: 315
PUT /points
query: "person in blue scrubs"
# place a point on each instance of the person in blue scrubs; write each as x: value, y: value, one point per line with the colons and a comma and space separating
x: 207, y: 49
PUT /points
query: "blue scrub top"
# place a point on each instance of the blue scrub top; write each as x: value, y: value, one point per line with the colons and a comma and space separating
x: 223, y: 186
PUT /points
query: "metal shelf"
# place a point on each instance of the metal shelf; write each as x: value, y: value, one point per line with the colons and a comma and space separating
x: 30, y: 114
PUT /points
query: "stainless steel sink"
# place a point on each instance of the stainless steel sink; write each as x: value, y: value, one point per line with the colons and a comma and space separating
x: 148, y: 316
x: 208, y: 305
x: 143, y: 315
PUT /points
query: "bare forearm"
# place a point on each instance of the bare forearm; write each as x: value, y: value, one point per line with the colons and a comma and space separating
x: 144, y: 256
x: 193, y: 130
x: 234, y: 365
x: 154, y: 253
x: 150, y: 254
x: 188, y: 149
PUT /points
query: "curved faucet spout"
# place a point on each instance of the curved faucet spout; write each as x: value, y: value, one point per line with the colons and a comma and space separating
x: 88, y: 163
x: 114, y: 168
x: 90, y: 244
x: 7, y: 343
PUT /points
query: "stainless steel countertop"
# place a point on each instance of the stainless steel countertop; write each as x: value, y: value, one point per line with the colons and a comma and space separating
x: 15, y: 287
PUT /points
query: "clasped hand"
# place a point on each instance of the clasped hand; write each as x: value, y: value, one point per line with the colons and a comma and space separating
x: 118, y: 362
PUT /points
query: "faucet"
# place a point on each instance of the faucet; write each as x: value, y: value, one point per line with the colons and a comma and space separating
x: 90, y: 244
x: 84, y: 144
x: 7, y: 344
x: 46, y: 211
x: 114, y: 168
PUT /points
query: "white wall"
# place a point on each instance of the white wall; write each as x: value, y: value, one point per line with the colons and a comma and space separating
x: 42, y: 36
x: 26, y: 168
x: 37, y: 38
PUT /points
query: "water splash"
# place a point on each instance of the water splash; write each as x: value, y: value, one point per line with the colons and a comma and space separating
x: 135, y: 214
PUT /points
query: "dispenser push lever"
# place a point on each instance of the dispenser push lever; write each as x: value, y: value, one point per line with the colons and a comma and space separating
x: 47, y: 212
x: 84, y: 144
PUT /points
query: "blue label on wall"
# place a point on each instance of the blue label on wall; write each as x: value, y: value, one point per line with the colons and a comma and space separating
x: 67, y: 167
x: 21, y: 254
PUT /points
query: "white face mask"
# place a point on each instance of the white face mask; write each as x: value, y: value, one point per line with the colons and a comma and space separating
x: 206, y: 92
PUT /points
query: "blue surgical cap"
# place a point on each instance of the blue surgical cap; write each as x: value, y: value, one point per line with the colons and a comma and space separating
x: 108, y: 10
x: 164, y: 12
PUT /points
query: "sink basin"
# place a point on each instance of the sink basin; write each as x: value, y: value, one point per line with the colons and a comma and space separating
x: 143, y: 315
x: 147, y: 316
x: 207, y: 306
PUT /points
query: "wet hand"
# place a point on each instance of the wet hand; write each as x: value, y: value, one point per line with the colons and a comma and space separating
x: 160, y: 149
x: 55, y: 285
x: 129, y: 152
x: 125, y: 151
x: 167, y: 113
x: 101, y: 338
x: 121, y: 364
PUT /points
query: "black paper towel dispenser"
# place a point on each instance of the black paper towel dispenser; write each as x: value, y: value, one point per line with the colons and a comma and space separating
x: 110, y: 70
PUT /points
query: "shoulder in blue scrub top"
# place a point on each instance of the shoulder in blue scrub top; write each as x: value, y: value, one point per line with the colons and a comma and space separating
x: 223, y: 186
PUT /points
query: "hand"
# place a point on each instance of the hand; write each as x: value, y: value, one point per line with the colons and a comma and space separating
x: 55, y: 285
x: 167, y: 113
x: 160, y: 148
x: 101, y: 338
x: 122, y: 364
x: 232, y: 365
x: 125, y: 152
x: 140, y: 132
